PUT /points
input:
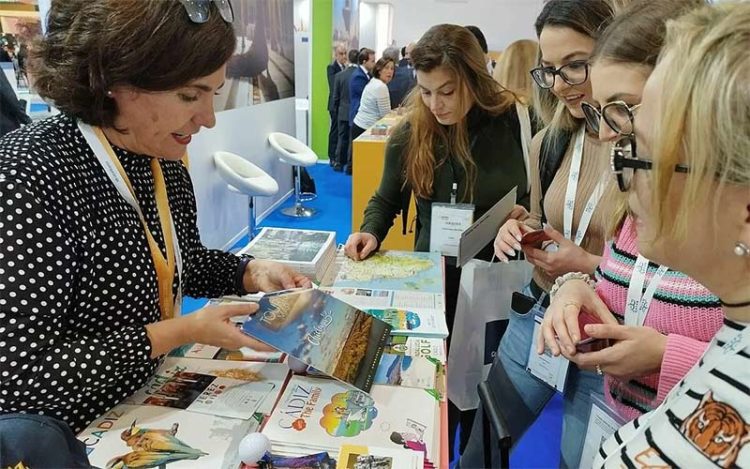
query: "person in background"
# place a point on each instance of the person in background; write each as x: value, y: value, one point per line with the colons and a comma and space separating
x: 338, y: 65
x: 686, y: 170
x: 514, y: 67
x: 12, y: 110
x: 483, y: 44
x: 376, y: 101
x: 404, y: 61
x: 461, y: 127
x: 341, y: 104
x: 360, y: 78
x: 402, y: 83
x: 98, y: 233
x: 654, y: 353
x: 567, y: 32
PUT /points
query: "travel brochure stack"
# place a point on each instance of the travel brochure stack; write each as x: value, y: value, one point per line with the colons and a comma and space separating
x: 377, y: 328
x: 307, y: 251
x: 192, y: 413
x: 317, y: 414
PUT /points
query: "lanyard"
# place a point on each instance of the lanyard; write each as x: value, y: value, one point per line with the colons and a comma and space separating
x: 570, y: 194
x: 638, y: 302
x: 165, y: 267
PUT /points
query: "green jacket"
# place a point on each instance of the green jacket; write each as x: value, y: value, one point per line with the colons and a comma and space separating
x: 497, y: 152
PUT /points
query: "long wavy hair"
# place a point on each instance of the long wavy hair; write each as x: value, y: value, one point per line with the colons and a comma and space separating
x: 456, y: 49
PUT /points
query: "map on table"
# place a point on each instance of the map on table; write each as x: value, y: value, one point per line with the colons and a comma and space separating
x: 393, y: 270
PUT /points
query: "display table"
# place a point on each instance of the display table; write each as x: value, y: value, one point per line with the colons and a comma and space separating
x: 368, y: 156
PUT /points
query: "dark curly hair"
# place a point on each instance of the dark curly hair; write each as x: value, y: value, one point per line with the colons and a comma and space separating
x: 152, y: 45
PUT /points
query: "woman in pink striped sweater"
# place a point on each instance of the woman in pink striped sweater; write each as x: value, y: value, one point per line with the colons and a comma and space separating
x: 660, y: 321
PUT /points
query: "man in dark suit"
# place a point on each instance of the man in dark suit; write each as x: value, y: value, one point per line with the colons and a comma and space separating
x: 338, y: 65
x: 403, y: 79
x: 360, y: 78
x: 341, y: 107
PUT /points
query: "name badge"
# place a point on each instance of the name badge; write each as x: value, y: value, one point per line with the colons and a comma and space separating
x: 603, y: 423
x: 548, y: 368
x: 449, y: 221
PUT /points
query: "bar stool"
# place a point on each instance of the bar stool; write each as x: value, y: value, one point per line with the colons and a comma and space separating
x: 292, y: 151
x: 245, y: 178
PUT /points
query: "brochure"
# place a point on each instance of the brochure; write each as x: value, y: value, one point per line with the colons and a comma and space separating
x: 323, y: 332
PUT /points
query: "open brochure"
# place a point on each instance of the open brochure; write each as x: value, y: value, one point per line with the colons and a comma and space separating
x: 323, y: 332
x: 228, y: 389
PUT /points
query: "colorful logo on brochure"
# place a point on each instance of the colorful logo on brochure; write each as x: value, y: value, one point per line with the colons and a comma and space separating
x: 398, y: 318
x: 348, y: 414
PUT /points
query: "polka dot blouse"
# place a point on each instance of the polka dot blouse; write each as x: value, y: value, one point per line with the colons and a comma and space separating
x: 77, y: 282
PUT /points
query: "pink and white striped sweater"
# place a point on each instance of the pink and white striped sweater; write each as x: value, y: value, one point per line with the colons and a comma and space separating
x: 682, y: 309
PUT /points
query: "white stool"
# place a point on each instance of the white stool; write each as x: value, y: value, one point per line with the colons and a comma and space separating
x: 292, y: 151
x: 243, y: 177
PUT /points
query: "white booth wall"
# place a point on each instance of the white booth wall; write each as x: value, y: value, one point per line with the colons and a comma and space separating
x: 501, y: 21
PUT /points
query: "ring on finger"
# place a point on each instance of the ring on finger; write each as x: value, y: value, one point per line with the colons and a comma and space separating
x: 599, y: 370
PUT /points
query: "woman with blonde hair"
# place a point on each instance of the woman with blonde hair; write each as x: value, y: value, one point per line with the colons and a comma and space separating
x: 512, y: 70
x: 687, y: 173
x: 462, y: 130
x: 661, y: 334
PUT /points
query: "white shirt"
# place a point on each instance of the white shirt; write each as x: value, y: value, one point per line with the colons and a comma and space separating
x: 707, y: 424
x: 375, y: 104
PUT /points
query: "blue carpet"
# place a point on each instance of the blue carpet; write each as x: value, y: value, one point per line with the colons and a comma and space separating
x: 334, y: 205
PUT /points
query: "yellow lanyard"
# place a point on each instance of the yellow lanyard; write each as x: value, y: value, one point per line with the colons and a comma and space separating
x: 165, y: 267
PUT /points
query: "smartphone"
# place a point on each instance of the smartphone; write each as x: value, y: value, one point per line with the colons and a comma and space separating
x: 534, y: 239
x: 589, y: 344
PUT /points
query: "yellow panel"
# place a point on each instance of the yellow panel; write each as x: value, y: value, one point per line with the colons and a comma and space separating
x: 368, y: 155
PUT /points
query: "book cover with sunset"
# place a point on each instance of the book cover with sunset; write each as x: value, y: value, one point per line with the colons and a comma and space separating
x: 322, y: 331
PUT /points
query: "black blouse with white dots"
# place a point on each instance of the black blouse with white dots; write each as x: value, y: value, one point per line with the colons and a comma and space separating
x: 77, y: 281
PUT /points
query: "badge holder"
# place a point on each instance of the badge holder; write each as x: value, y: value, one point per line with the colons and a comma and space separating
x: 546, y: 367
x: 603, y: 423
x: 448, y: 222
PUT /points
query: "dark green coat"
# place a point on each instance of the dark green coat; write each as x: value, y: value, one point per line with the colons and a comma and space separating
x: 497, y: 151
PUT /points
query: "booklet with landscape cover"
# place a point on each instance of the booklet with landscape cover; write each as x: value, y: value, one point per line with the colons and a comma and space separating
x: 132, y: 436
x: 323, y: 332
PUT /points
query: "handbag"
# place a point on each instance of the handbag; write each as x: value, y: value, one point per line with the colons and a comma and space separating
x: 484, y: 300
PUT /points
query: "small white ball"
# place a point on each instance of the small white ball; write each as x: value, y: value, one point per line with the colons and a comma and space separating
x: 253, y: 447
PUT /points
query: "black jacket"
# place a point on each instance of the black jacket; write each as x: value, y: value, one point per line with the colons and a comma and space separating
x: 332, y: 70
x: 12, y: 111
x: 341, y: 93
x: 403, y: 81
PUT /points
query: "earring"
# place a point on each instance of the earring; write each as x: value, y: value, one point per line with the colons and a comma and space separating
x: 741, y: 249
x: 110, y: 94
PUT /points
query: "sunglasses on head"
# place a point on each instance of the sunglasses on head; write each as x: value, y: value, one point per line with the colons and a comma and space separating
x: 198, y: 10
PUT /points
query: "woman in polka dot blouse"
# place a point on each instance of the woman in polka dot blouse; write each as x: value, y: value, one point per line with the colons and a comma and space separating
x: 98, y: 235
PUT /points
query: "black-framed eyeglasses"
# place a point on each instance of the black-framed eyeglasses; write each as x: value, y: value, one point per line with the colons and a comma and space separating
x: 198, y: 10
x: 618, y: 115
x: 625, y: 162
x: 573, y: 73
